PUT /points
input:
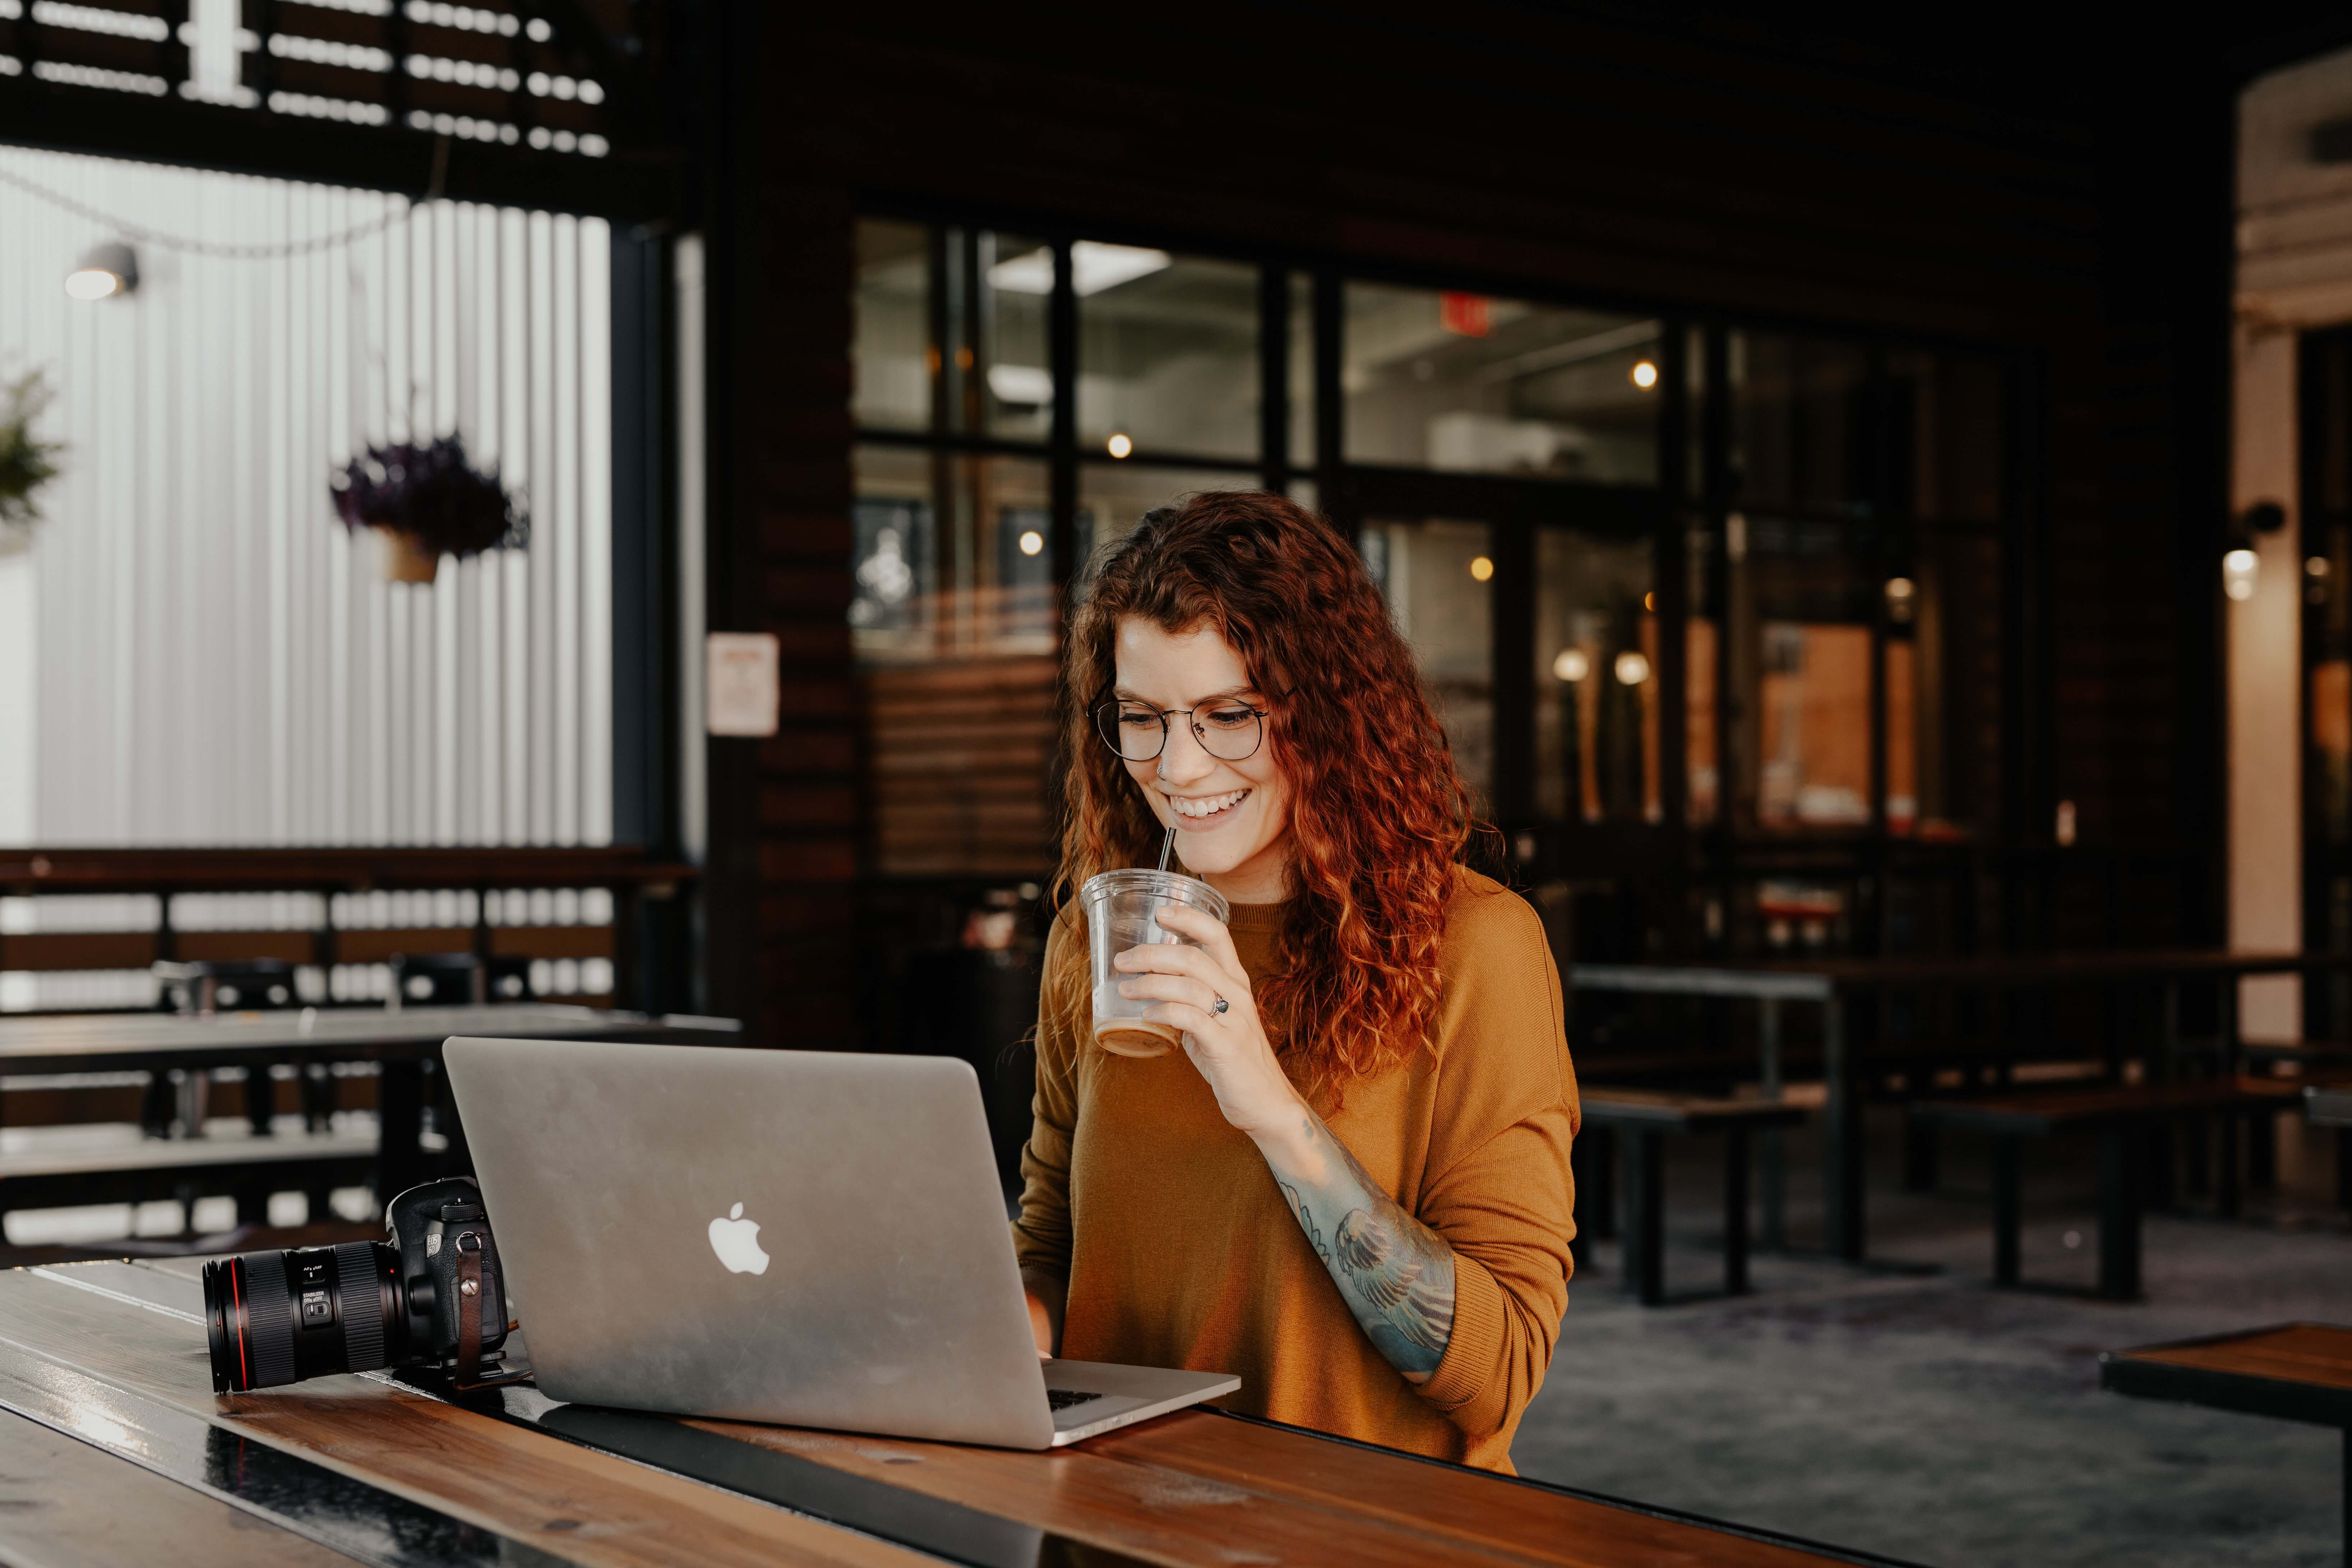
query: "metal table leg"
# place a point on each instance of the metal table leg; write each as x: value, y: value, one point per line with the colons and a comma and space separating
x: 1735, y: 1211
x: 1841, y: 1150
x: 1772, y: 1152
x: 2008, y: 1189
x: 400, y: 1114
x: 2120, y: 1199
x: 1646, y: 1215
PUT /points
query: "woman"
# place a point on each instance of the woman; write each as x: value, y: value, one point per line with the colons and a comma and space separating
x: 1351, y: 1186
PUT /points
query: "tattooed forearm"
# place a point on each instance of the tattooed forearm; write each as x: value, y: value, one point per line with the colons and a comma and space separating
x: 1394, y: 1272
x: 1306, y: 1222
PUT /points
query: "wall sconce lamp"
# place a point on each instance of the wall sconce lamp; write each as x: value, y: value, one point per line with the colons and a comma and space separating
x: 106, y: 270
x: 2240, y: 565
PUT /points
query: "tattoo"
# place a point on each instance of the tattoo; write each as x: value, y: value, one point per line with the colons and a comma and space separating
x: 1394, y: 1272
x: 1306, y: 1222
x: 1395, y: 1278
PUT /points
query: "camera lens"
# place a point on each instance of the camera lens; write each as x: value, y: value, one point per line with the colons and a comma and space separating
x: 279, y: 1317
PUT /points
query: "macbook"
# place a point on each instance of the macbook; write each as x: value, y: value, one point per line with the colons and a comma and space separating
x: 793, y: 1236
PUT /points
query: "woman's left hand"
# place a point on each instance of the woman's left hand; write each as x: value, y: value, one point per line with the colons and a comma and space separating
x: 1230, y: 1049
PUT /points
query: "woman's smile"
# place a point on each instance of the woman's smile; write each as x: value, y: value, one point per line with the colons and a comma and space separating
x: 1198, y: 812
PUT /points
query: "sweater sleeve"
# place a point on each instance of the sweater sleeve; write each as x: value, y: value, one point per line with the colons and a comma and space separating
x: 1497, y: 1186
x: 1041, y: 1236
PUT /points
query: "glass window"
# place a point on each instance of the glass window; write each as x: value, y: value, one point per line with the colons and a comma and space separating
x: 1474, y: 384
x: 1596, y: 677
x: 985, y: 297
x: 1945, y: 423
x: 890, y: 354
x: 999, y: 297
x: 949, y: 549
x: 1815, y: 704
x: 1943, y: 687
x: 1797, y: 423
x: 1113, y: 497
x: 1437, y: 576
x: 954, y: 630
x: 1167, y: 352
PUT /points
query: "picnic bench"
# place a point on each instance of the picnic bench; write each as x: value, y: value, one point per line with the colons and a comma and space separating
x: 115, y: 1165
x: 2122, y: 1115
x: 1640, y: 1120
x: 2295, y: 1372
x: 2332, y: 1108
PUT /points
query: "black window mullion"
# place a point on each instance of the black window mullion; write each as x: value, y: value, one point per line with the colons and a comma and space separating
x: 1670, y: 576
x: 1062, y: 334
x: 1273, y: 376
x: 1714, y: 481
x: 1511, y: 543
x: 1330, y: 487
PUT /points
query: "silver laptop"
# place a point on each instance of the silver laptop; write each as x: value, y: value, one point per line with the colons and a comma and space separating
x: 793, y: 1236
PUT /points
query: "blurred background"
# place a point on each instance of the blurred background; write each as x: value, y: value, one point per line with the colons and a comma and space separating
x: 590, y: 491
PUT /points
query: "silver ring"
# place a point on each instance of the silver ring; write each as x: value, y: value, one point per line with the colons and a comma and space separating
x: 1222, y: 1005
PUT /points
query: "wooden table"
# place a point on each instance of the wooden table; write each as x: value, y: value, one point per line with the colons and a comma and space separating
x: 401, y: 1039
x: 113, y: 1448
x: 1832, y: 983
x: 2298, y: 1371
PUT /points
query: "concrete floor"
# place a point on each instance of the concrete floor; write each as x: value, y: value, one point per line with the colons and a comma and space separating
x: 1916, y: 1411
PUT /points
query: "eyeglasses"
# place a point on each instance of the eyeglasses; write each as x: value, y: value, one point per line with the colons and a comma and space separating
x: 1228, y: 729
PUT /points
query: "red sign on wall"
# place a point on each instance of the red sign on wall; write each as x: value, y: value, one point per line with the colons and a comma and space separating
x: 1465, y: 315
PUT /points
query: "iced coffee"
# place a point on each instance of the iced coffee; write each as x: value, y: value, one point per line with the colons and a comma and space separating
x: 1122, y: 910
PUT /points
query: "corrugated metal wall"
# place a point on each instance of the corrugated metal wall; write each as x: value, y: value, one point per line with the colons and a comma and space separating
x: 215, y: 661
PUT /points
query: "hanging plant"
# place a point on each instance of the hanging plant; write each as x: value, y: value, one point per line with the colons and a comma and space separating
x: 429, y: 501
x: 26, y: 464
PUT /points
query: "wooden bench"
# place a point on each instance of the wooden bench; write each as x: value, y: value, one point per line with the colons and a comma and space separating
x: 2122, y: 1115
x: 127, y: 1169
x: 2296, y: 1371
x: 1642, y: 1119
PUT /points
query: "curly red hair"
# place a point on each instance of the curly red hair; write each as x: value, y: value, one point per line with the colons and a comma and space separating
x: 1378, y: 815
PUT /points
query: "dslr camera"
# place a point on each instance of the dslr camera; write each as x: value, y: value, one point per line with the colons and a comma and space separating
x: 433, y: 1295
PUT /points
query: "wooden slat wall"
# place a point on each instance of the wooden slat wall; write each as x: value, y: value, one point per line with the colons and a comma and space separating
x: 960, y: 755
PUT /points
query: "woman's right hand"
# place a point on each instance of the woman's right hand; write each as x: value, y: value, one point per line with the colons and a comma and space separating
x: 1041, y: 1324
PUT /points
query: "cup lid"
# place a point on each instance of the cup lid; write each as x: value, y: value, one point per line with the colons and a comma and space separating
x: 1173, y: 886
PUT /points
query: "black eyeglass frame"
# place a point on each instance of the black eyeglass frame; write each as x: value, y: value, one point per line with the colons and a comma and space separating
x: 1095, y: 713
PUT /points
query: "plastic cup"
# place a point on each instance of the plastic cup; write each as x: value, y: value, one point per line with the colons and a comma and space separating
x: 1122, y: 910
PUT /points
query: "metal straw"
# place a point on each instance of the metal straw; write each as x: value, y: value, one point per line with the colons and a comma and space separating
x: 1166, y: 845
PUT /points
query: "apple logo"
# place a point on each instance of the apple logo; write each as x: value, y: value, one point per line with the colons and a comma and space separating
x: 736, y: 1242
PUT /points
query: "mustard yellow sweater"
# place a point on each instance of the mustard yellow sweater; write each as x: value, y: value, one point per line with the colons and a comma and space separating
x: 1179, y: 1252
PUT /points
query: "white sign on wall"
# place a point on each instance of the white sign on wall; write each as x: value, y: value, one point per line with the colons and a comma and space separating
x: 745, y: 685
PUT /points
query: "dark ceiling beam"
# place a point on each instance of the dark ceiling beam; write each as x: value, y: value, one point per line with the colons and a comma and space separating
x: 625, y: 187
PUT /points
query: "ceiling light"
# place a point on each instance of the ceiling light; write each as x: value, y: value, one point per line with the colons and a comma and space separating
x: 1633, y: 669
x: 105, y: 270
x: 1094, y: 267
x: 1645, y: 375
x: 1032, y: 542
x: 2238, y: 569
x: 1571, y: 665
x: 1118, y: 446
x: 1481, y: 568
x: 1902, y: 599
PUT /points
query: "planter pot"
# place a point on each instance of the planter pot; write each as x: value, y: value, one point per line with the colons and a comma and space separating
x: 406, y: 558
